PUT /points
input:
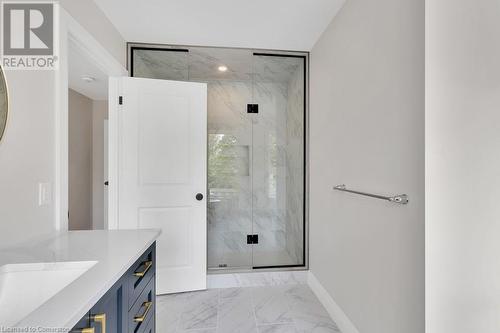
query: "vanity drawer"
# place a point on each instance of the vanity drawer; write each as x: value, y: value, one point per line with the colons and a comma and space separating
x: 143, y: 310
x: 140, y: 274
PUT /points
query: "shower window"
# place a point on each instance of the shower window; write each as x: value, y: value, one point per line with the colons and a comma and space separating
x: 256, y: 161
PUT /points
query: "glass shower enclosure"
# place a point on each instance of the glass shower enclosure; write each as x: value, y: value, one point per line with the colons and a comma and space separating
x: 256, y: 148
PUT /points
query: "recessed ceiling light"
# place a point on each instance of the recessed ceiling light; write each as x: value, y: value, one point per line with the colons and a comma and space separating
x: 222, y: 68
x: 88, y: 79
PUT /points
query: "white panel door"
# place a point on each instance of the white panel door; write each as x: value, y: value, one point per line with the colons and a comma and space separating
x: 162, y: 174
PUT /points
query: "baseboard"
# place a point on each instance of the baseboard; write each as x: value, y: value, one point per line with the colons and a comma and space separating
x: 340, y: 318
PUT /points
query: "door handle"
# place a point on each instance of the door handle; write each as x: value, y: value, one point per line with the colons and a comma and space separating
x: 199, y: 197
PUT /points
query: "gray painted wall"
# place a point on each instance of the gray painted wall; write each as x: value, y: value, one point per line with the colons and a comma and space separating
x: 462, y: 166
x: 27, y: 150
x: 367, y: 131
x: 80, y: 161
x: 27, y: 157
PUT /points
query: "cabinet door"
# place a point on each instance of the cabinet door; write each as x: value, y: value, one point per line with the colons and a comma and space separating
x: 109, y: 311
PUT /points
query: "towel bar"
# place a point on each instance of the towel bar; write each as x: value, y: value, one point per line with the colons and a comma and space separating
x: 399, y: 199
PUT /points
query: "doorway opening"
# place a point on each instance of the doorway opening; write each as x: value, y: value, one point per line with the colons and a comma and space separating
x: 87, y: 143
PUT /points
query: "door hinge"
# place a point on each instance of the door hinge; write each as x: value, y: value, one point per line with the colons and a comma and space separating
x: 252, y: 239
x: 252, y: 108
x: 120, y: 100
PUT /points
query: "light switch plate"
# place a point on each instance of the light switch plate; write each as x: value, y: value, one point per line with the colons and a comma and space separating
x: 44, y: 194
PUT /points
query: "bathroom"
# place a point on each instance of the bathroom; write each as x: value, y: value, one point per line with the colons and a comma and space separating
x: 249, y: 166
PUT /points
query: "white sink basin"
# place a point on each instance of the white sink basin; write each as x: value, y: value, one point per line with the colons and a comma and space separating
x: 24, y: 287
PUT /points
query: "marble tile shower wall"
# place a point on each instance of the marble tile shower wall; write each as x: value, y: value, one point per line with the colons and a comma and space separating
x: 257, y: 201
x: 295, y: 167
x: 230, y: 187
x: 269, y: 172
x: 255, y: 161
x: 161, y: 65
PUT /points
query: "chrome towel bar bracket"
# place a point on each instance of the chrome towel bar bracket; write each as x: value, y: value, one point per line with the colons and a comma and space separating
x: 401, y: 199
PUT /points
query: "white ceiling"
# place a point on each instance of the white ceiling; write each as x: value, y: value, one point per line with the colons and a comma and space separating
x: 79, y: 66
x: 268, y: 24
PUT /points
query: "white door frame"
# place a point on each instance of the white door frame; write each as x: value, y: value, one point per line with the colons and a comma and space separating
x: 71, y: 32
x: 113, y: 167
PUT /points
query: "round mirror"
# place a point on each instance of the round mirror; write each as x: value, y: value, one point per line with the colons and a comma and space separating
x: 4, y: 103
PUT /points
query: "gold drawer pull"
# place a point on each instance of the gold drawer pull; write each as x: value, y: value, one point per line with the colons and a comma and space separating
x: 101, y: 319
x: 147, y: 306
x: 147, y: 266
x: 84, y: 330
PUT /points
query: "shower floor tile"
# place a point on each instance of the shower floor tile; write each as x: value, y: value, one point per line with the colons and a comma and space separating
x: 283, y: 309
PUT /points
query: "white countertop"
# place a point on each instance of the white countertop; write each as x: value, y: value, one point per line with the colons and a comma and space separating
x: 114, y: 250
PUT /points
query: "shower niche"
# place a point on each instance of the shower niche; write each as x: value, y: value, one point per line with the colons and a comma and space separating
x: 256, y: 148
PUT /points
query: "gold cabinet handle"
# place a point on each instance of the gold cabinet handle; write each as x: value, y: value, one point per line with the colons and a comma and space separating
x: 147, y: 266
x: 147, y: 306
x: 101, y: 319
x: 84, y: 330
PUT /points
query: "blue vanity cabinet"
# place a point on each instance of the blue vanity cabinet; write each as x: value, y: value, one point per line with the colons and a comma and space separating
x: 107, y: 315
x: 109, y: 311
x: 141, y: 284
x: 129, y: 306
x: 140, y: 274
x: 151, y: 327
x: 143, y: 310
x: 83, y: 324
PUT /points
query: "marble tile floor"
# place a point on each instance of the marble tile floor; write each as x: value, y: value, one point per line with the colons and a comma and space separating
x: 269, y: 309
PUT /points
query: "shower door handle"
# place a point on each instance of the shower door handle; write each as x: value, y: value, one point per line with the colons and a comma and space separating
x: 199, y: 197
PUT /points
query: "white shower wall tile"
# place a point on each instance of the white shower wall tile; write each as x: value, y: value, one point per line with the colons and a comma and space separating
x: 259, y: 279
x: 258, y: 203
x: 295, y: 167
x: 165, y: 65
x: 269, y: 171
x: 230, y: 204
x: 262, y: 194
x: 204, y: 63
x: 274, y: 69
